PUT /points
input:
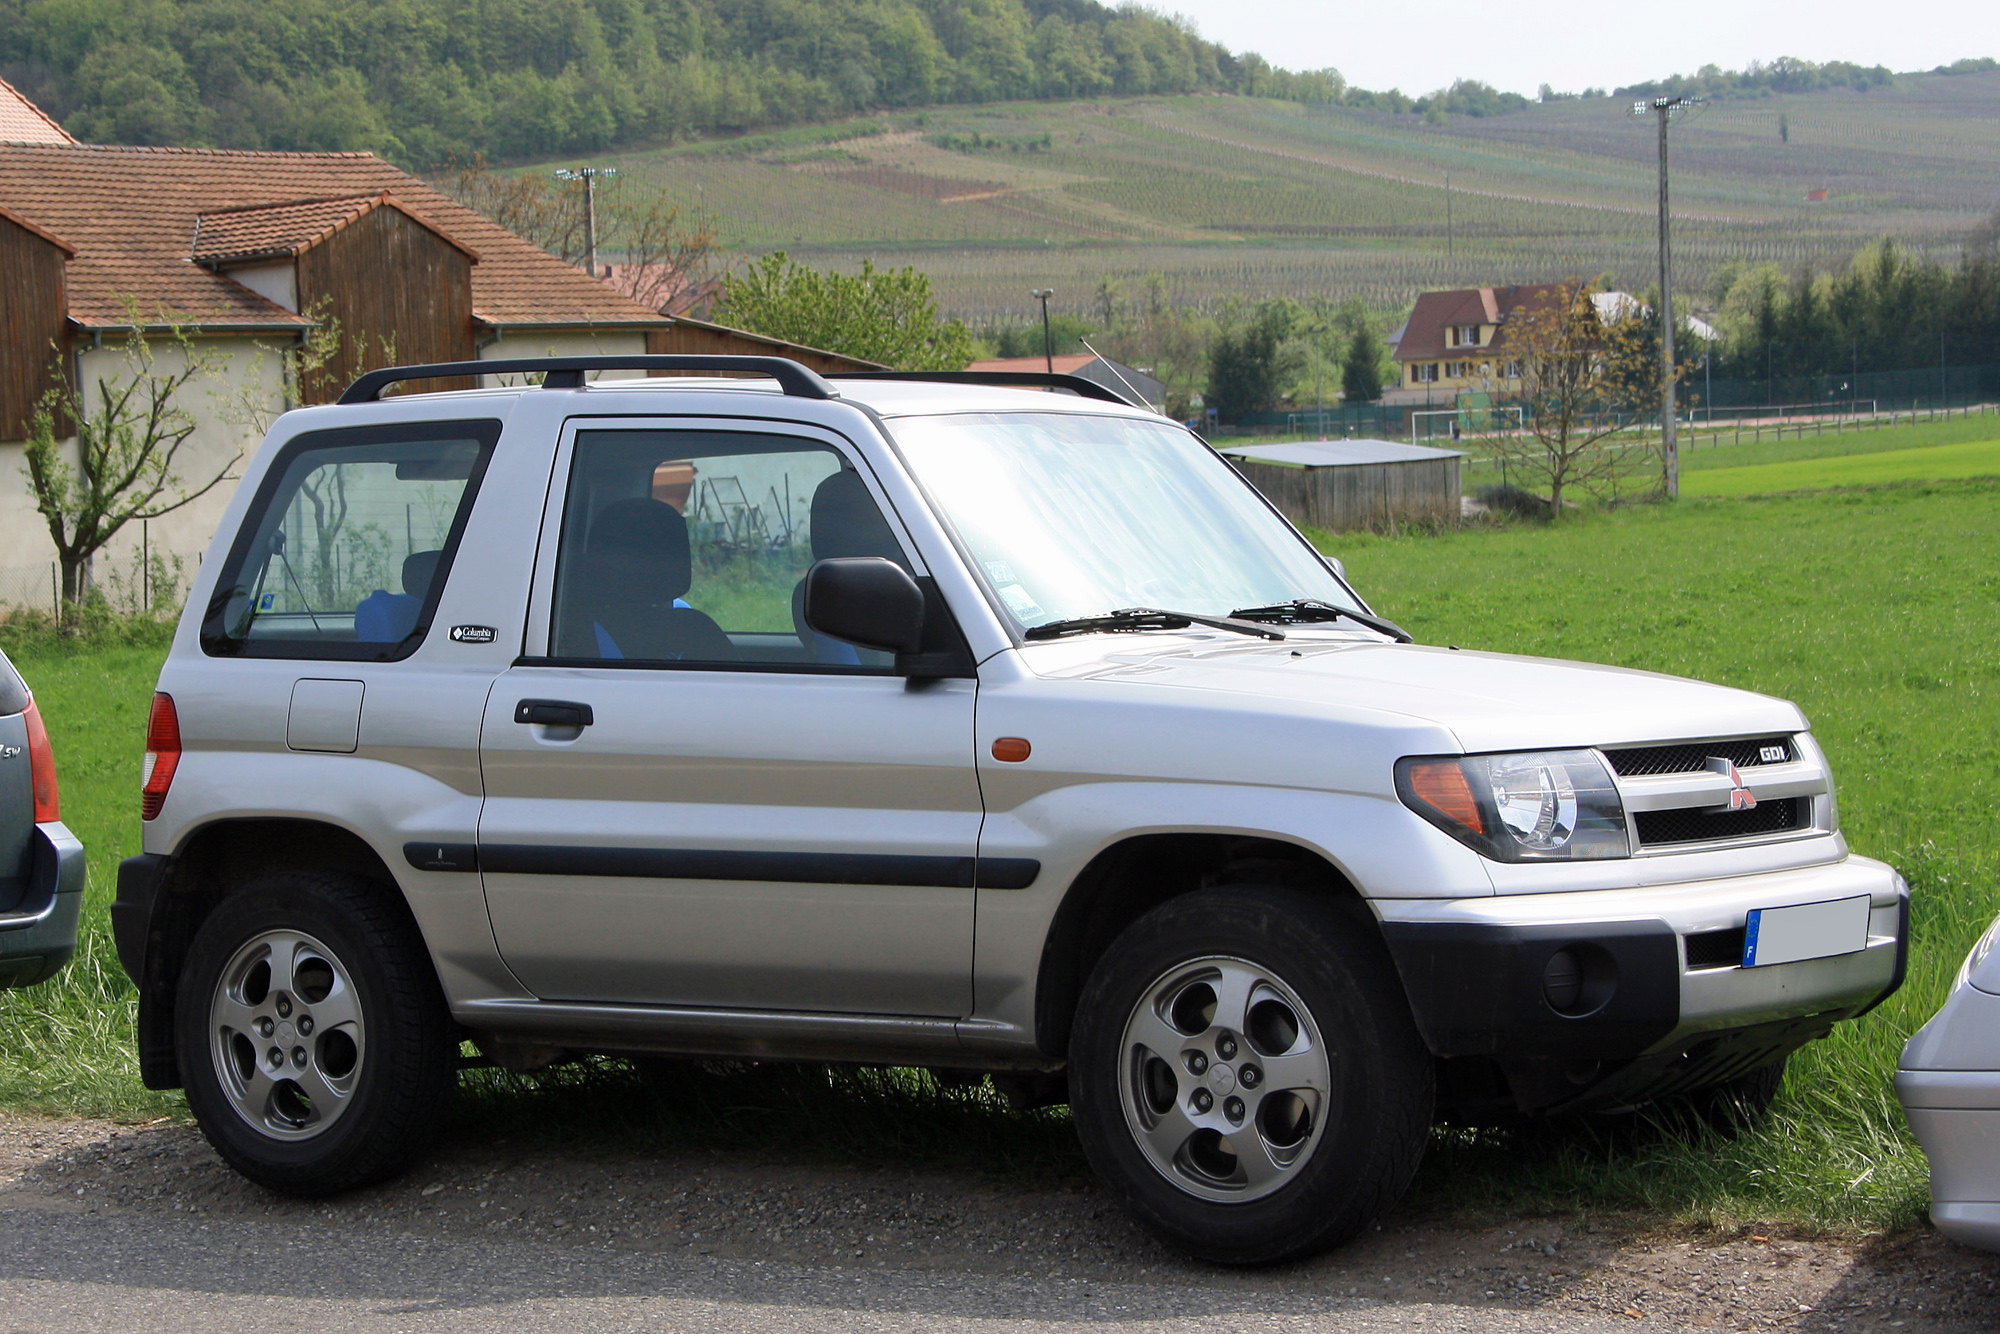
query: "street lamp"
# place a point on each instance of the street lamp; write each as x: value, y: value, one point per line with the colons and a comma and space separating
x: 588, y: 175
x: 1665, y: 108
x: 1048, y: 338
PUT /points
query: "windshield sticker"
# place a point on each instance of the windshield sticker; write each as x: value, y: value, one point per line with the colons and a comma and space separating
x: 1001, y: 572
x: 1024, y: 607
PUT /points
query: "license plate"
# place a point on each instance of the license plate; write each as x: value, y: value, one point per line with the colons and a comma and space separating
x: 1808, y: 931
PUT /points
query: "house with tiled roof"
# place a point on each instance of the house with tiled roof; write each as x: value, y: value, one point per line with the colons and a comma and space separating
x: 22, y: 122
x: 1447, y: 346
x: 253, y: 250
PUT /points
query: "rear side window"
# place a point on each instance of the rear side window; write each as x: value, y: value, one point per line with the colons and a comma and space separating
x: 346, y: 548
x: 13, y: 693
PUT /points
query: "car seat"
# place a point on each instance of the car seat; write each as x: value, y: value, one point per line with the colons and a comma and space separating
x: 622, y: 601
x: 387, y: 618
x: 845, y: 522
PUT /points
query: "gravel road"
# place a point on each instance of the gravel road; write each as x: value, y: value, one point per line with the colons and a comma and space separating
x: 142, y: 1228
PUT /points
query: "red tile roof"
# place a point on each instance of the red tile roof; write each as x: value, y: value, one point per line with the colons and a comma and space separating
x: 1423, y: 336
x: 1067, y: 364
x: 130, y: 214
x: 22, y: 122
x: 284, y: 231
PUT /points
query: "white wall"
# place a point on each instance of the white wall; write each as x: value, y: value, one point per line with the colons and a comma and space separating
x: 230, y: 408
x: 581, y: 343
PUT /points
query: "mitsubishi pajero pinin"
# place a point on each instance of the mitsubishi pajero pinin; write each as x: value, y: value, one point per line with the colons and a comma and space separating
x: 938, y: 722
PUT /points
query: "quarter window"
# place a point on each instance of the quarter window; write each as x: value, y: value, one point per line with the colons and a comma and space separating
x: 347, y: 545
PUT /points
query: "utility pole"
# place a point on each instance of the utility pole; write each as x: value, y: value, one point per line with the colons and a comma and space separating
x: 1048, y: 338
x: 1449, y: 251
x: 1664, y: 108
x: 588, y: 175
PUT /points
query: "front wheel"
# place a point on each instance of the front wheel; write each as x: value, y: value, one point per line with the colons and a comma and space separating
x: 312, y: 1036
x: 1244, y: 1071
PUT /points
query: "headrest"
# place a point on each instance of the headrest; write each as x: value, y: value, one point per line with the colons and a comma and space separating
x: 637, y: 551
x: 419, y: 568
x: 847, y: 522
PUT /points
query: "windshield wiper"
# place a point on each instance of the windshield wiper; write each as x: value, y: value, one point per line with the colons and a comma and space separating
x: 1147, y: 618
x: 1312, y: 609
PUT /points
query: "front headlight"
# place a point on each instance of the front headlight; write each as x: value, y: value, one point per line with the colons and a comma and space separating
x: 1557, y: 805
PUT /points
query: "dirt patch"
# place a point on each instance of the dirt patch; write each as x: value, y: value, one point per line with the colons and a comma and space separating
x: 695, y: 1203
x: 943, y: 189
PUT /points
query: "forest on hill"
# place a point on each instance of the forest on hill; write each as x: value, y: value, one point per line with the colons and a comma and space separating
x: 422, y: 81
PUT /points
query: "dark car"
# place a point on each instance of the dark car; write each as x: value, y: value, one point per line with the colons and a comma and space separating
x: 41, y: 862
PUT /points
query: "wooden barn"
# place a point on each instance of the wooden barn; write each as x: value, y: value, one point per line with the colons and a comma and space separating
x: 1344, y: 485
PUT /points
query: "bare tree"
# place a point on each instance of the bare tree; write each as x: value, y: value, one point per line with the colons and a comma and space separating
x: 122, y: 465
x: 663, y: 250
x: 1556, y: 348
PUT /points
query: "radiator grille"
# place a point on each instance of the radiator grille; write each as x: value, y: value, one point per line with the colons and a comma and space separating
x: 1744, y: 753
x: 1695, y: 825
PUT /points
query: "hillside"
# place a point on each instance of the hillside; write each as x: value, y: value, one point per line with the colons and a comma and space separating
x: 1238, y: 196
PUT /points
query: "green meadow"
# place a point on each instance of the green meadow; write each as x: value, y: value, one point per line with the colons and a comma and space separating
x: 1877, y: 609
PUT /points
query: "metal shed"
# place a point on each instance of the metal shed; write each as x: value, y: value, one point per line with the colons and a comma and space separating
x: 1342, y: 485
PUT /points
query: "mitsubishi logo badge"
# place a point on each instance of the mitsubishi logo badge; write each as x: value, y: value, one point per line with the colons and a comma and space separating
x: 1740, y: 797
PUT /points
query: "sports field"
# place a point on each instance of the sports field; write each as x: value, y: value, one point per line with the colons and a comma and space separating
x: 1937, y: 463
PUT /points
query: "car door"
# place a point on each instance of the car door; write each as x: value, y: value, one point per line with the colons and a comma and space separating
x: 693, y: 800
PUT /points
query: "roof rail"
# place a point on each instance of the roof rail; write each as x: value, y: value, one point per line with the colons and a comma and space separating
x: 567, y: 372
x: 1075, y: 384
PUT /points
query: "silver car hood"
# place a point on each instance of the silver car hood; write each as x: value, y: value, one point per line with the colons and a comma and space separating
x: 1489, y: 701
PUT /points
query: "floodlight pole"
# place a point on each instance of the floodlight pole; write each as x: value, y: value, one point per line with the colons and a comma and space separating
x: 1664, y: 108
x: 588, y: 175
x: 1048, y: 338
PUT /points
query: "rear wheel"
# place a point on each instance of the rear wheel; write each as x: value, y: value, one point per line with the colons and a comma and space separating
x: 1245, y: 1073
x: 313, y: 1039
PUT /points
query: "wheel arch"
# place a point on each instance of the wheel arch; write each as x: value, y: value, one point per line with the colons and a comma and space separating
x: 212, y: 863
x: 1135, y: 875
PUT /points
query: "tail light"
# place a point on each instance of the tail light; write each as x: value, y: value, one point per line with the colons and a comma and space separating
x: 42, y: 768
x: 163, y: 756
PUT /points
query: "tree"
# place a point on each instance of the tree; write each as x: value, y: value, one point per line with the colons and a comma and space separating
x: 1361, y: 371
x: 122, y: 466
x: 1558, y: 347
x: 888, y: 316
x: 1248, y: 368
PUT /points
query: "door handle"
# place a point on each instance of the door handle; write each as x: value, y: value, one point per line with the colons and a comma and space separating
x: 553, y: 713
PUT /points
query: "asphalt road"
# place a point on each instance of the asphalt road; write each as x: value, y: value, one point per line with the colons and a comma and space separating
x: 137, y: 1229
x: 70, y: 1270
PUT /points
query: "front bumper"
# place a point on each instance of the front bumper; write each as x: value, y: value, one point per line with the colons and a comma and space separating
x: 1955, y: 1113
x: 38, y: 935
x: 1662, y: 1004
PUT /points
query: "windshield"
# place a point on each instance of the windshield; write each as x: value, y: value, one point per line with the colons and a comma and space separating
x: 1070, y: 515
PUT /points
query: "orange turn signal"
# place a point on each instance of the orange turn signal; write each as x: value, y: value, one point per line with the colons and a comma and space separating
x: 1442, y: 786
x: 1011, y: 749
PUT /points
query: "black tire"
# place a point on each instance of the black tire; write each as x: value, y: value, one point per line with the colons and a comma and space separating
x: 399, y: 1064
x: 1363, y: 1145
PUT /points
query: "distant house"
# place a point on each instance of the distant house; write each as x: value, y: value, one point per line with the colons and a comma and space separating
x: 1447, y: 346
x: 1113, y: 375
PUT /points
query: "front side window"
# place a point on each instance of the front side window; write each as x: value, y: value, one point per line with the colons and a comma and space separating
x: 1070, y: 515
x: 692, y: 547
x: 345, y: 549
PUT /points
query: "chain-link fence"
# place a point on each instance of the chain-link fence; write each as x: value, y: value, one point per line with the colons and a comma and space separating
x: 35, y: 586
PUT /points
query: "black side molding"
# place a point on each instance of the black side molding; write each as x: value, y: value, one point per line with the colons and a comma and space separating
x: 822, y: 868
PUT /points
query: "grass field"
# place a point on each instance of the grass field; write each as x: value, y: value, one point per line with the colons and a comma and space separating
x: 1938, y: 463
x: 1233, y: 196
x: 1877, y: 610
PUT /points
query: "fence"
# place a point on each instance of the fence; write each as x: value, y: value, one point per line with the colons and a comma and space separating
x: 33, y: 587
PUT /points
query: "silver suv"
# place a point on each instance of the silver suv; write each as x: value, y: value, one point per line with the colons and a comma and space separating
x: 932, y: 721
x: 41, y: 863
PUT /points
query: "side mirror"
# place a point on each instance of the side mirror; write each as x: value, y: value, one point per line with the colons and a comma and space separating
x: 866, y: 600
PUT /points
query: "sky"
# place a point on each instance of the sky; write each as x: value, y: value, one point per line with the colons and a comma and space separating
x: 1518, y: 45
